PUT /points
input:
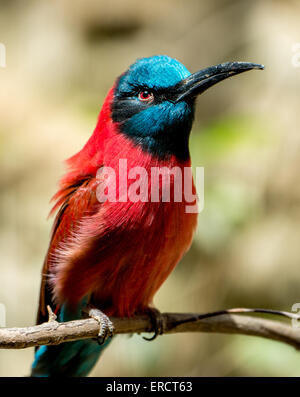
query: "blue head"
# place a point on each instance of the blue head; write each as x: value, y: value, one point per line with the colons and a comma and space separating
x: 154, y: 102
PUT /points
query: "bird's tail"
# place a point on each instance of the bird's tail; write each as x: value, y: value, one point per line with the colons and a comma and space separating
x: 67, y: 359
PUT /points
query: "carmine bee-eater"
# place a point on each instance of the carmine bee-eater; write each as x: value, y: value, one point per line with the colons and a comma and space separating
x: 110, y: 257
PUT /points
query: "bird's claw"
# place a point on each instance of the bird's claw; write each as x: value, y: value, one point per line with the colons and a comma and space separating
x: 157, y: 321
x: 106, y: 329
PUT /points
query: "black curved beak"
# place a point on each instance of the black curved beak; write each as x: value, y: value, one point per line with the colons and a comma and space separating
x: 200, y: 81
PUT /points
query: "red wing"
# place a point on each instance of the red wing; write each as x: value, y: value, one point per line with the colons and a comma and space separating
x: 76, y: 201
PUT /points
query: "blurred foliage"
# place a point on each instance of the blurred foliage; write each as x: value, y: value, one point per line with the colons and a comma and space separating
x: 62, y: 57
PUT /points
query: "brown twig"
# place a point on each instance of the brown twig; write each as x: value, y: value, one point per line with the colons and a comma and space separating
x: 226, y: 321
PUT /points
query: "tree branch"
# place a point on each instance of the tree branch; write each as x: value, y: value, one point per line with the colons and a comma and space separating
x: 53, y: 332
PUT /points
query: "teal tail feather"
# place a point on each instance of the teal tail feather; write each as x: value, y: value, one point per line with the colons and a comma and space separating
x: 70, y: 359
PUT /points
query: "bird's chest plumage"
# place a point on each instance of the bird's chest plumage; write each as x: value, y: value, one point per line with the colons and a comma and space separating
x: 120, y: 250
x: 147, y: 246
x: 150, y: 234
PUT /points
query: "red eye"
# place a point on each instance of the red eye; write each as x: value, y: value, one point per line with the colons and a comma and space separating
x: 146, y: 96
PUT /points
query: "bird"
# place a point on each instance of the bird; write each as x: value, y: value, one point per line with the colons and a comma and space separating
x: 109, y: 258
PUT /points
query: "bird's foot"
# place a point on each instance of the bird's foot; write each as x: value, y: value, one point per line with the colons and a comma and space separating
x: 106, y: 329
x: 157, y: 321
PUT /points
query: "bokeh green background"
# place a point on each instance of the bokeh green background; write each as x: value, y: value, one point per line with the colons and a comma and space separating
x: 62, y: 57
